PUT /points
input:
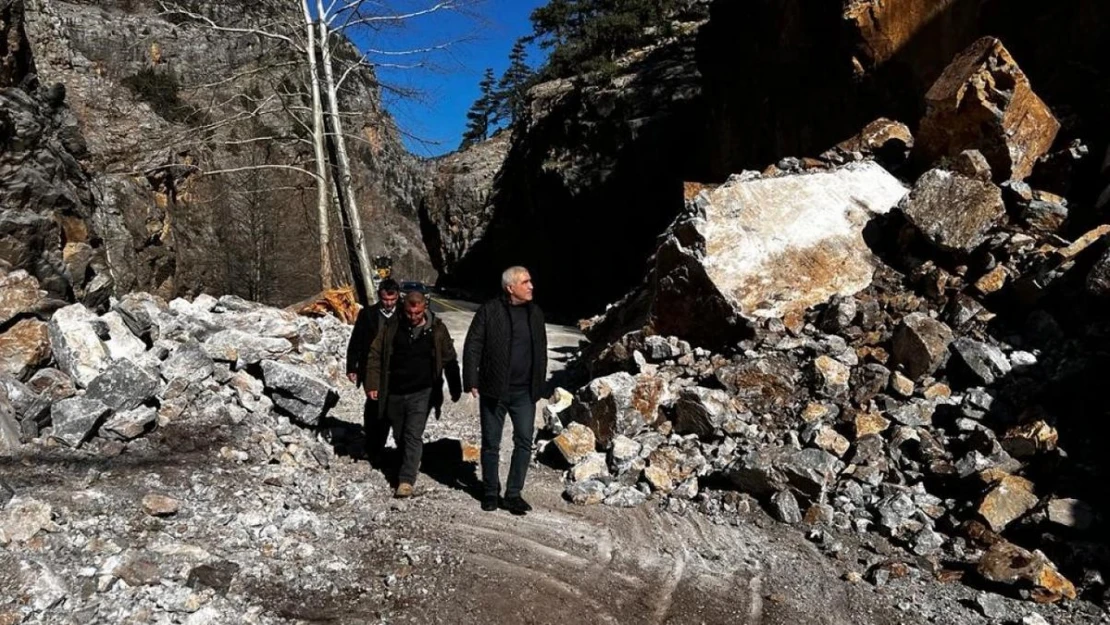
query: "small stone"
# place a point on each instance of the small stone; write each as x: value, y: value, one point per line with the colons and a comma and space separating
x: 123, y: 386
x: 901, y: 385
x: 927, y: 542
x: 831, y: 376
x: 1006, y: 563
x: 188, y: 362
x: 23, y: 518
x: 586, y: 493
x: 831, y: 441
x: 952, y: 211
x: 937, y: 391
x: 701, y: 411
x: 852, y: 577
x: 626, y: 497
x: 920, y: 344
x: 659, y: 478
x: 130, y: 424
x: 575, y: 443
x: 76, y: 419
x: 972, y: 164
x: 160, y: 505
x: 590, y: 467
x: 1007, y: 500
x: 217, y: 576
x: 1071, y: 513
x: 977, y: 362
x: 991, y: 605
x: 867, y: 423
x: 993, y: 280
x: 785, y: 506
x: 815, y: 412
x: 1030, y: 439
x: 1034, y: 619
x: 24, y: 347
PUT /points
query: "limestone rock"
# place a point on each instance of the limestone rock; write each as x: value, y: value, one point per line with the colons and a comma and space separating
x: 1009, y: 499
x: 75, y: 419
x: 160, y: 505
x: 619, y: 404
x: 701, y: 411
x: 591, y: 467
x: 575, y: 443
x: 1071, y: 513
x: 24, y: 347
x: 983, y: 101
x: 785, y: 507
x: 123, y: 386
x: 978, y: 363
x: 831, y: 375
x: 1006, y: 563
x: 76, y: 345
x: 952, y: 211
x: 304, y: 397
x: 129, y: 424
x: 19, y: 295
x: 920, y: 344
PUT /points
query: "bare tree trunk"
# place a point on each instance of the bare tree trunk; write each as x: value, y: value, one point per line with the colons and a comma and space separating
x: 327, y: 278
x: 363, y: 275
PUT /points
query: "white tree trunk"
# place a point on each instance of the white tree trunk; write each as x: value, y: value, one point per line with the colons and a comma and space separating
x: 346, y: 188
x: 327, y: 278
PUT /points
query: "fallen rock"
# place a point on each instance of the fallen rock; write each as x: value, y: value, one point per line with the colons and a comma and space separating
x: 302, y: 396
x: 140, y: 312
x: 9, y: 426
x: 889, y: 141
x: 766, y: 471
x: 586, y: 493
x: 983, y: 101
x: 123, y: 386
x: 869, y: 423
x: 1007, y: 500
x: 976, y: 362
x: 245, y: 349
x: 24, y: 347
x: 1071, y: 513
x: 217, y: 576
x: 121, y: 343
x: 76, y: 346
x: 575, y: 443
x: 920, y: 344
x: 160, y: 505
x: 591, y: 467
x: 831, y: 376
x: 831, y: 441
x: 785, y: 507
x: 973, y: 164
x: 619, y: 404
x: 627, y: 497
x: 1006, y: 563
x: 188, y: 363
x: 19, y: 295
x: 952, y: 211
x: 559, y: 402
x: 701, y: 411
x: 52, y: 384
x: 129, y: 424
x: 1030, y: 439
x: 75, y: 419
x: 763, y: 385
x: 23, y: 518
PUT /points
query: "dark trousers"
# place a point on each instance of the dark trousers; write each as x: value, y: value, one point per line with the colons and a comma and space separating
x: 375, y: 429
x: 522, y: 411
x: 408, y: 414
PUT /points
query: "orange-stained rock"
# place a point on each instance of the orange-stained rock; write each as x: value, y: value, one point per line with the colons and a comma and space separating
x: 983, y: 101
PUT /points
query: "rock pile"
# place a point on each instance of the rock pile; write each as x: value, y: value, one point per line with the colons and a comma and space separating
x: 145, y: 364
x: 866, y: 357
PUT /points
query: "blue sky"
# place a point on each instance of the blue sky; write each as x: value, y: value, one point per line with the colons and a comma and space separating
x: 434, y: 121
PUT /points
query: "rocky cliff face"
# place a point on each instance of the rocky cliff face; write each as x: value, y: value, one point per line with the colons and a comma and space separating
x: 753, y: 83
x: 165, y: 227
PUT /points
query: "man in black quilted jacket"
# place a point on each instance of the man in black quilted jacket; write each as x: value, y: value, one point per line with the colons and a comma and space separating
x: 505, y: 365
x: 370, y: 319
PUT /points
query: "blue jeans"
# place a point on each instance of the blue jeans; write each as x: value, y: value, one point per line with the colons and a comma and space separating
x: 522, y: 412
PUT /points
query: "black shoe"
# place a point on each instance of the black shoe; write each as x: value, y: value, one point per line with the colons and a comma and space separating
x: 489, y: 504
x: 516, y: 505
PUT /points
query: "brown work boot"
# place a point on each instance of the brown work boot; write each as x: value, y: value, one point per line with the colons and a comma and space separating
x: 404, y: 489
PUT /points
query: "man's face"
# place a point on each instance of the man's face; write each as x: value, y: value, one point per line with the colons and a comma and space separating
x: 521, y: 291
x: 388, y: 300
x: 414, y: 311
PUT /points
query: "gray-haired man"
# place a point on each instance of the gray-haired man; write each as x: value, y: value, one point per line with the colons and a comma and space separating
x: 505, y: 363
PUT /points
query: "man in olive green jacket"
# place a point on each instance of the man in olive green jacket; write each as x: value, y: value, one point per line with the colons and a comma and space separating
x: 405, y: 370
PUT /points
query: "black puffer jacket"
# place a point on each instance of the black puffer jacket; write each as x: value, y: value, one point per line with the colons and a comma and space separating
x: 486, y: 352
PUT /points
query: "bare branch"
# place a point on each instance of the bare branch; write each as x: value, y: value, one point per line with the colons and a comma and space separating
x: 169, y: 9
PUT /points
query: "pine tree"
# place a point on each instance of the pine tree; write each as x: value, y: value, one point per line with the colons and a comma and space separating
x: 514, y: 83
x: 482, y: 113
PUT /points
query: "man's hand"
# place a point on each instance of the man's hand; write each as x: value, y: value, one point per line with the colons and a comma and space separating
x: 372, y: 395
x: 353, y: 377
x: 474, y: 392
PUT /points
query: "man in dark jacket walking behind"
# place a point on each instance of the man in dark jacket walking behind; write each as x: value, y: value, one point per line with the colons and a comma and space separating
x: 370, y: 319
x: 405, y: 374
x: 505, y: 363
